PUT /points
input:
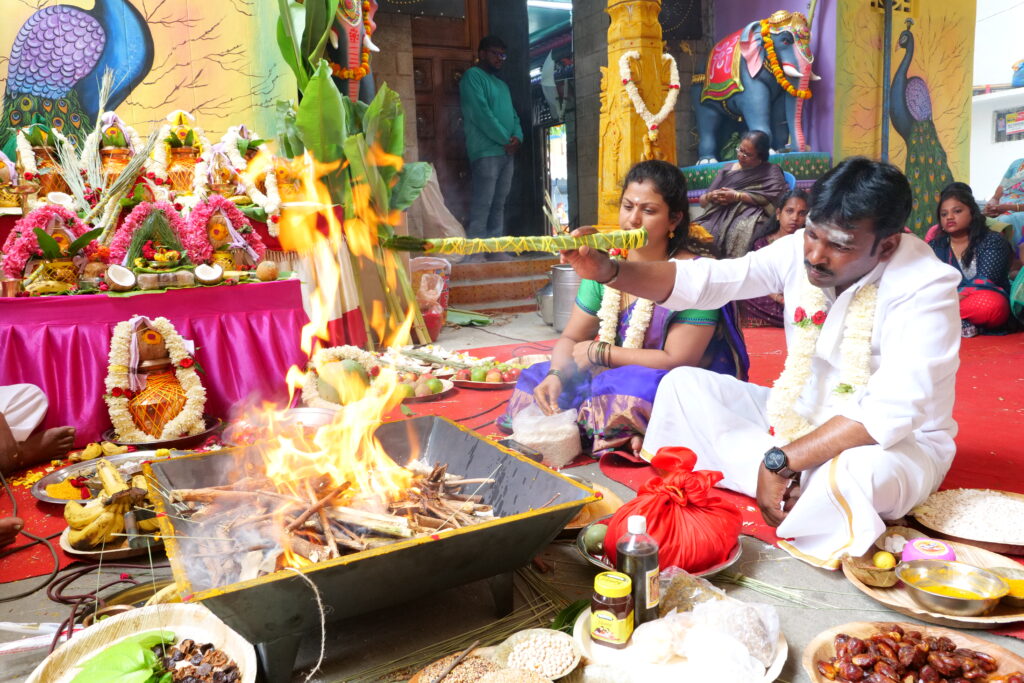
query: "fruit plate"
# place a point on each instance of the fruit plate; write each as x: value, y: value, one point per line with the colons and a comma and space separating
x: 628, y: 656
x: 470, y: 384
x: 446, y: 391
x: 603, y: 563
x: 897, y: 598
x: 124, y: 462
x: 185, y: 620
x: 823, y: 645
x: 109, y: 552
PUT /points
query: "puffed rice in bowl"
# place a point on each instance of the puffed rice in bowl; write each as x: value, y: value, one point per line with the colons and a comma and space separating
x: 513, y: 676
x: 551, y: 654
x: 469, y: 670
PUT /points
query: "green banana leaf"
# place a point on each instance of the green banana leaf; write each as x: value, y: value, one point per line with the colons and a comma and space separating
x: 384, y: 125
x: 320, y: 15
x: 291, y: 17
x: 411, y: 181
x: 289, y: 139
x: 321, y: 116
x: 82, y: 240
x: 47, y: 244
x: 362, y: 172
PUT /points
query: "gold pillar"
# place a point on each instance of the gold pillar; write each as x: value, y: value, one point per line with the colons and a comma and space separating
x: 624, y: 137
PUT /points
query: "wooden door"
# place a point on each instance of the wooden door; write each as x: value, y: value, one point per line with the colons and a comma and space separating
x: 443, y: 48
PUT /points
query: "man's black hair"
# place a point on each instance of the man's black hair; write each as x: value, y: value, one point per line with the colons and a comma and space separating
x: 859, y: 188
x: 490, y: 42
x: 761, y: 142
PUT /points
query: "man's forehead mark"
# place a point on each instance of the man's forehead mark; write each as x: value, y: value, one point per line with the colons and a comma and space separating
x: 831, y: 233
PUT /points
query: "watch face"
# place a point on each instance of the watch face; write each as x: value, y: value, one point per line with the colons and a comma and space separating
x: 775, y: 459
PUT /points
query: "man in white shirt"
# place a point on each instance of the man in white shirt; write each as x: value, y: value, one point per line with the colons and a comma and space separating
x: 859, y: 427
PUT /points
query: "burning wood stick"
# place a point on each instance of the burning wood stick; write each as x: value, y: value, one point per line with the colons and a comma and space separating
x: 466, y: 482
x: 317, y: 506
x: 386, y: 525
x: 208, y: 495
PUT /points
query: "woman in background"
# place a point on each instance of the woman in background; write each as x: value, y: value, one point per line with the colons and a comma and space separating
x: 982, y: 257
x: 766, y: 311
x: 1007, y: 202
x: 611, y: 380
x: 740, y: 203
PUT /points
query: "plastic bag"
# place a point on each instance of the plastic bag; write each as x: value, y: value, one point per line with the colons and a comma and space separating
x: 694, y: 528
x: 557, y: 436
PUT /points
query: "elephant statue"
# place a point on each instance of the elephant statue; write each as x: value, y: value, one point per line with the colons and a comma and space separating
x: 751, y: 84
x: 349, y: 47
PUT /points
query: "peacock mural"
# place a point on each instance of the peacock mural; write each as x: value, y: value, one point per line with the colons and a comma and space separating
x: 58, y: 58
x: 910, y: 108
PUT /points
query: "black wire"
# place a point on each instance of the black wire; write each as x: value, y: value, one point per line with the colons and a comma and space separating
x: 37, y: 539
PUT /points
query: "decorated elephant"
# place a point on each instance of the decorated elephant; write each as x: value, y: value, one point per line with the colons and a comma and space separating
x: 349, y: 48
x: 756, y: 79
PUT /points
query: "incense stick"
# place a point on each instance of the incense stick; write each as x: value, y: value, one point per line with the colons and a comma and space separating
x: 458, y: 660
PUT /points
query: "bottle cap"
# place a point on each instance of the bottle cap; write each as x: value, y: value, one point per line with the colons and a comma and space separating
x: 636, y: 524
x: 613, y: 584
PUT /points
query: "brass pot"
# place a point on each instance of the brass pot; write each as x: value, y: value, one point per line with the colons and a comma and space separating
x: 181, y: 168
x: 113, y: 161
x: 50, y: 179
x: 60, y: 270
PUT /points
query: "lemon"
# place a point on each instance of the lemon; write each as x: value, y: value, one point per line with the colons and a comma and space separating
x: 883, y: 560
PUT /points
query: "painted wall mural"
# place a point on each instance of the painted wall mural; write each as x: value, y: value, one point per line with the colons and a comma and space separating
x: 930, y: 104
x: 218, y: 60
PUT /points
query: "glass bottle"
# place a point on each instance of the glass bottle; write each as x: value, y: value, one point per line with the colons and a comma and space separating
x: 611, y: 610
x: 638, y: 559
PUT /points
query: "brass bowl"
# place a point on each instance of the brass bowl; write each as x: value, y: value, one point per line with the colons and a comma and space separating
x: 923, y: 577
x: 1014, y: 577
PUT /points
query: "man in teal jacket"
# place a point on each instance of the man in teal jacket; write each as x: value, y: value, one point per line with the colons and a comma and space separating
x: 493, y: 136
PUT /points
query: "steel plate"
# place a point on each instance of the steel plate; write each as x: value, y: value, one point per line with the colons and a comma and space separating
x: 86, y: 469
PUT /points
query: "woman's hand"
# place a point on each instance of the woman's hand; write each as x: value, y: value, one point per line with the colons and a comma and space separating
x: 581, y: 355
x: 546, y: 394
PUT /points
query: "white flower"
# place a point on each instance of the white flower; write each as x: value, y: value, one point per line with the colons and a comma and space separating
x: 26, y: 157
x: 652, y: 121
x: 639, y: 319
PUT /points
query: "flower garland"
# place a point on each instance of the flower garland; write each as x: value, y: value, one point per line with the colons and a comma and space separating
x: 652, y: 121
x: 26, y: 157
x: 855, y: 358
x: 773, y: 63
x: 187, y: 422
x: 269, y: 202
x: 639, y: 319
x: 22, y: 243
x: 200, y: 217
x: 196, y: 243
x: 363, y: 69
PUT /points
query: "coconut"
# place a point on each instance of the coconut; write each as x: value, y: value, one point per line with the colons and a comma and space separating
x: 209, y: 274
x: 94, y: 270
x: 119, y: 278
x: 266, y: 271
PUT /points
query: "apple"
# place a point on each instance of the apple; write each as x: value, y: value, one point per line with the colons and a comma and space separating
x: 464, y: 374
x: 493, y: 376
x: 508, y: 376
x: 515, y: 372
x: 423, y: 390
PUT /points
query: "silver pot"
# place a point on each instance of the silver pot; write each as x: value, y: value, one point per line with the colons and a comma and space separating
x: 564, y: 283
x: 546, y: 303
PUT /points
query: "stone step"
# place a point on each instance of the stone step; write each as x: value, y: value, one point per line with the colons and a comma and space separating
x: 503, y: 306
x: 500, y: 286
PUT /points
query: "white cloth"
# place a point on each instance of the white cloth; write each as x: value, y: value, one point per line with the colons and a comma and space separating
x: 906, y: 407
x: 24, y: 407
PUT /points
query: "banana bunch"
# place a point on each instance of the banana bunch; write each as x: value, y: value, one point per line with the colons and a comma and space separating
x: 95, y: 450
x: 100, y: 521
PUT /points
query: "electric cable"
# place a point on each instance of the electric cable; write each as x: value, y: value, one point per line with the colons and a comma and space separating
x: 37, y: 539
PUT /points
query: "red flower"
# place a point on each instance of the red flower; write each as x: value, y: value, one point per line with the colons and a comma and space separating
x: 374, y: 371
x: 186, y: 362
x: 159, y: 181
x: 614, y: 251
x: 178, y: 207
x: 818, y: 318
x: 29, y: 176
x: 799, y: 315
x: 117, y: 392
x: 625, y: 81
x: 103, y: 287
x: 129, y: 394
x: 275, y: 219
x: 125, y: 576
x: 151, y: 175
x: 771, y: 430
x: 654, y: 126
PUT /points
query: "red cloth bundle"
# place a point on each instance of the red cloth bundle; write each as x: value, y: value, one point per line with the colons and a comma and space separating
x: 694, y: 528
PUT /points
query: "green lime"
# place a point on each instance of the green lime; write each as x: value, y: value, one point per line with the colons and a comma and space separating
x: 435, y: 385
x: 408, y: 390
x: 479, y: 374
x: 593, y: 539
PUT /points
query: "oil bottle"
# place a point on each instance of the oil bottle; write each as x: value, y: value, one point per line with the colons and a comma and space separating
x: 638, y: 559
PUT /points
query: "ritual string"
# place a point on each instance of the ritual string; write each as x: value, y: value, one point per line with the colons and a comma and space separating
x: 323, y: 623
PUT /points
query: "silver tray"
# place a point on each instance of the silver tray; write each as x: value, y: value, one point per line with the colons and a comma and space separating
x: 602, y: 562
x: 87, y: 468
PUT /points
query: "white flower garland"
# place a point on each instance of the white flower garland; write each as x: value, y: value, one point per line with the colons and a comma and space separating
x: 26, y: 157
x: 639, y: 319
x: 269, y: 202
x: 855, y: 359
x: 189, y: 421
x: 652, y: 121
x: 230, y: 142
x: 158, y: 164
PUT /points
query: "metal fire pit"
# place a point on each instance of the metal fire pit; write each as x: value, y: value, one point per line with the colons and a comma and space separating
x: 276, y: 610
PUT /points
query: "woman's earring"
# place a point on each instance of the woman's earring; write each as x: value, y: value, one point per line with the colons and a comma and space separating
x: 671, y: 234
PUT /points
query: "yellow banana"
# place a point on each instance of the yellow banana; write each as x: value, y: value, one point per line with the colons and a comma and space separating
x: 149, y: 525
x: 79, y: 516
x: 111, y: 479
x: 112, y: 448
x: 93, y: 450
x: 101, y: 531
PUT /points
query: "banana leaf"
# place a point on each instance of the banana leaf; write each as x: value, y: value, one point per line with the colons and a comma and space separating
x: 291, y: 18
x: 289, y: 139
x: 357, y: 155
x: 411, y: 181
x: 384, y: 125
x: 321, y: 117
x: 320, y: 15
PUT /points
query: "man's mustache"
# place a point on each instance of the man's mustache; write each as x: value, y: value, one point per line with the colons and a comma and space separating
x: 818, y: 269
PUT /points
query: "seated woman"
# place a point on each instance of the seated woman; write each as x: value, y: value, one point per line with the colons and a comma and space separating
x: 981, y: 256
x: 741, y: 200
x: 1007, y: 202
x: 611, y: 380
x: 766, y: 311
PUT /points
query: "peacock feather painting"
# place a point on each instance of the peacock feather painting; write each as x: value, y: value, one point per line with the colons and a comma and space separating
x: 930, y: 95
x: 58, y: 58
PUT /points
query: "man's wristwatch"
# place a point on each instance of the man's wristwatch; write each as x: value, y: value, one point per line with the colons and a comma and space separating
x: 775, y: 460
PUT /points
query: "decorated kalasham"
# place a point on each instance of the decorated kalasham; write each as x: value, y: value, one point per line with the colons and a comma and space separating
x: 325, y: 506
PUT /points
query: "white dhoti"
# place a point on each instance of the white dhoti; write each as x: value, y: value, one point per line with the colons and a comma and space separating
x: 842, y: 502
x: 23, y: 407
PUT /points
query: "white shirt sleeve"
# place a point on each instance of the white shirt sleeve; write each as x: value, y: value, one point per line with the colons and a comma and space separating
x: 707, y: 284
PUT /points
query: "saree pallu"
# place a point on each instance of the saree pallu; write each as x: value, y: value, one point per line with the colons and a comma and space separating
x: 736, y: 226
x: 614, y: 405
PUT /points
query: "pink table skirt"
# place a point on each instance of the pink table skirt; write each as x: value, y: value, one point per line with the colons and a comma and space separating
x: 246, y: 338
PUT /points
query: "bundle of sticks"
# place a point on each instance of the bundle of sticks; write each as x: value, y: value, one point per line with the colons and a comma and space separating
x: 248, y: 528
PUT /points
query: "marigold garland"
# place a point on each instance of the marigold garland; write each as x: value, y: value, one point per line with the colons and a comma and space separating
x: 189, y: 421
x: 773, y: 63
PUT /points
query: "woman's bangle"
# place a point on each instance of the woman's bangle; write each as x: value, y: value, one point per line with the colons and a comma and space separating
x: 556, y: 373
x: 614, y: 276
x: 607, y: 360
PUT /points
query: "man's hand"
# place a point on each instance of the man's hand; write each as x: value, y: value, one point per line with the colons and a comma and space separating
x: 776, y: 495
x: 513, y: 145
x: 591, y: 264
x: 546, y: 394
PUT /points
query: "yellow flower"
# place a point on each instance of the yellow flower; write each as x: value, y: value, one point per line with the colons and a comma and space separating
x: 218, y: 231
x: 152, y: 337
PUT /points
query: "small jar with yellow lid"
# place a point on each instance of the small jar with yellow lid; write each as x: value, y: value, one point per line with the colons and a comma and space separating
x: 611, y: 610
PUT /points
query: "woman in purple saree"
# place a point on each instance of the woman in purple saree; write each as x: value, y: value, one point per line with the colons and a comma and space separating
x: 740, y: 203
x: 611, y: 381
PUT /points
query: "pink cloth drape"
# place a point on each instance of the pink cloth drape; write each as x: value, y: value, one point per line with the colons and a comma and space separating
x: 246, y: 337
